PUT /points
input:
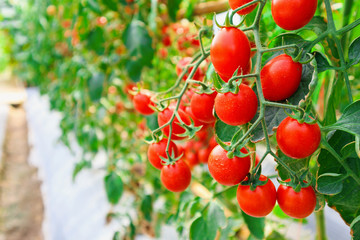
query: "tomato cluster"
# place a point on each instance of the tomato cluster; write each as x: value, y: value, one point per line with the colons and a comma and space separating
x: 237, y: 105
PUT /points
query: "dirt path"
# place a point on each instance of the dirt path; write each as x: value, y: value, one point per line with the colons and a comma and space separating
x: 21, y: 206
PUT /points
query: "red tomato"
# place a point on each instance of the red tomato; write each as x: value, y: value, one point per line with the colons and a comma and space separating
x: 142, y: 103
x: 101, y: 21
x: 227, y: 171
x: 296, y: 204
x: 257, y: 203
x: 176, y: 177
x: 298, y: 140
x: 202, y: 106
x: 163, y: 52
x: 156, y: 150
x: 129, y: 87
x: 182, y: 64
x: 165, y: 117
x: 236, y: 109
x: 190, y: 156
x: 203, y: 154
x: 293, y: 14
x: 166, y: 40
x: 238, y: 3
x: 229, y: 51
x: 280, y: 78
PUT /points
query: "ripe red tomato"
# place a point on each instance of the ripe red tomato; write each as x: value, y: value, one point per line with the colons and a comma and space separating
x: 166, y: 40
x: 298, y: 140
x: 293, y: 14
x: 199, y: 75
x: 176, y: 177
x: 280, y: 78
x: 296, y: 204
x: 202, y: 106
x: 227, y: 171
x: 196, y: 121
x: 157, y: 150
x: 236, y: 109
x: 238, y: 3
x: 257, y: 203
x: 142, y: 103
x: 128, y: 88
x: 229, y: 51
x: 186, y: 98
x: 165, y: 117
x: 203, y: 154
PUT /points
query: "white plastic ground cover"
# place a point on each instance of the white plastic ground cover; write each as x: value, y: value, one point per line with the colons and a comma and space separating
x: 77, y: 210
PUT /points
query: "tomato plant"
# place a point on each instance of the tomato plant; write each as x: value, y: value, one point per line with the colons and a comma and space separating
x: 260, y: 74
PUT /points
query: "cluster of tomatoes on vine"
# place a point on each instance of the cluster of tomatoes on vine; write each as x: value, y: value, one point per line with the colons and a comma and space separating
x: 236, y: 103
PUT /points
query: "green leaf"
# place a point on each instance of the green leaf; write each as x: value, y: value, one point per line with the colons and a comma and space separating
x: 112, y: 4
x: 255, y: 225
x: 274, y: 115
x: 347, y: 202
x: 215, y: 219
x: 322, y: 62
x: 114, y: 187
x: 297, y: 165
x: 330, y: 183
x: 146, y: 207
x: 80, y: 166
x: 225, y: 132
x: 349, y: 121
x: 354, y: 52
x: 355, y: 228
x: 96, y: 40
x: 317, y: 25
x: 152, y: 122
x: 173, y: 7
x: 198, y: 230
x: 95, y: 84
x: 139, y: 45
x: 93, y: 5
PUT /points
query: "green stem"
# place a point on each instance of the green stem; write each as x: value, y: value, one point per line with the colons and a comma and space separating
x: 348, y: 27
x: 320, y: 225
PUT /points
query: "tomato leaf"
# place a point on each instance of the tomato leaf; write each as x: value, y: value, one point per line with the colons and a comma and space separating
x: 95, y: 84
x: 349, y: 121
x: 80, y: 166
x: 322, y: 62
x: 139, y: 45
x: 96, y: 40
x: 354, y: 52
x: 225, y: 132
x: 255, y: 225
x: 111, y: 4
x: 146, y: 207
x: 215, y: 219
x: 297, y: 165
x: 355, y: 228
x: 317, y: 25
x: 330, y: 183
x: 173, y: 7
x: 114, y: 187
x: 152, y: 122
x: 93, y: 5
x: 347, y: 202
x: 198, y: 229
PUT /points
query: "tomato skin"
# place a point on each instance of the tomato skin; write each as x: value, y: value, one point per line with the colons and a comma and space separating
x: 197, y: 122
x: 236, y: 109
x: 293, y: 14
x: 227, y: 171
x: 280, y: 78
x: 186, y: 98
x: 182, y: 64
x: 238, y: 3
x: 202, y: 106
x: 165, y: 117
x: 203, y: 154
x: 229, y: 51
x: 296, y: 205
x: 156, y: 150
x: 176, y: 177
x: 142, y: 103
x: 298, y: 140
x: 257, y: 203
